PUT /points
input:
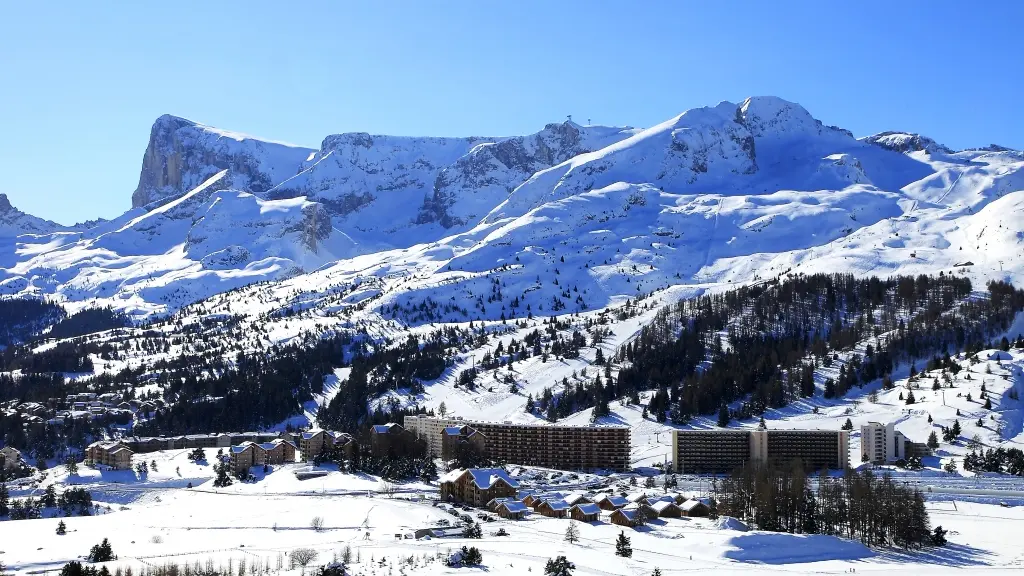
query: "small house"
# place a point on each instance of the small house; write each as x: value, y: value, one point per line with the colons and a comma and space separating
x: 630, y: 517
x: 666, y: 509
x: 552, y: 508
x: 609, y: 502
x: 585, y: 512
x: 695, y: 509
x: 477, y: 486
x: 511, y: 510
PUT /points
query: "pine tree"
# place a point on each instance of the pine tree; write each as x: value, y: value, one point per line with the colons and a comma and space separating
x: 723, y: 416
x: 657, y: 571
x: 559, y: 566
x: 933, y: 440
x: 848, y: 425
x: 956, y: 429
x: 988, y: 403
x: 622, y: 546
x: 4, y: 500
x: 62, y: 529
x: 572, y: 533
x: 910, y: 397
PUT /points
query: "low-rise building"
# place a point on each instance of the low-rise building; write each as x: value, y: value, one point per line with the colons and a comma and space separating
x: 610, y: 502
x: 318, y: 441
x: 245, y: 456
x: 585, y: 512
x: 9, y: 458
x: 393, y: 441
x: 695, y: 509
x: 511, y: 510
x: 457, y: 441
x: 627, y: 517
x: 278, y: 451
x: 553, y: 508
x: 666, y: 509
x: 114, y: 454
x: 477, y: 486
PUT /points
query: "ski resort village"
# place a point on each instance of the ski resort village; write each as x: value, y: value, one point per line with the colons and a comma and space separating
x: 738, y: 341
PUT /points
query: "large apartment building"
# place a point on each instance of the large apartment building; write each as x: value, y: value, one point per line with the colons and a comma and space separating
x: 551, y: 446
x: 881, y: 443
x: 720, y: 451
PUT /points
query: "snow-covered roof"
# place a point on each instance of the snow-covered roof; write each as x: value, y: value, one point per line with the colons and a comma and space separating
x: 629, y: 513
x: 484, y: 478
x: 613, y: 500
x: 662, y: 498
x: 575, y: 498
x: 556, y: 504
x: 636, y: 497
x: 691, y: 504
x: 587, y: 508
x: 513, y: 506
x: 384, y: 428
x: 453, y: 431
x: 661, y: 505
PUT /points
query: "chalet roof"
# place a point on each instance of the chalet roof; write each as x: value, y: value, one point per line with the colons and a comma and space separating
x: 384, y: 428
x: 587, y: 508
x: 636, y: 497
x: 630, y: 514
x: 453, y: 431
x: 662, y: 498
x: 613, y: 500
x: 661, y: 505
x: 556, y: 504
x: 513, y: 506
x: 572, y: 499
x: 310, y: 434
x: 691, y: 504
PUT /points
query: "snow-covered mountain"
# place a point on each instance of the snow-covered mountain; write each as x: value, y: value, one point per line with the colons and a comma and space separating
x: 728, y: 193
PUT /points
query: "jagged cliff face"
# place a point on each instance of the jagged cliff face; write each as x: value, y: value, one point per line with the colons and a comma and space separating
x: 182, y: 154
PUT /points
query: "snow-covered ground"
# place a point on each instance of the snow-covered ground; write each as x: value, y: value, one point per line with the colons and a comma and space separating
x: 179, y: 526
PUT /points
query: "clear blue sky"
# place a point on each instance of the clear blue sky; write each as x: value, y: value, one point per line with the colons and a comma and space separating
x: 82, y: 82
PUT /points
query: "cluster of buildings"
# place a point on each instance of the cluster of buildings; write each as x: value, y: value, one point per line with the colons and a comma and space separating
x: 244, y: 449
x: 494, y: 489
x: 718, y: 451
x: 550, y: 446
x: 85, y: 406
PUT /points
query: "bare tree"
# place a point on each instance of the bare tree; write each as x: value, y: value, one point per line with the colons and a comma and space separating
x: 301, y: 557
x: 387, y: 488
x: 317, y: 523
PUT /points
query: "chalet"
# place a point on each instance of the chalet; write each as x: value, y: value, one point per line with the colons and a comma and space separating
x: 278, y: 451
x: 493, y: 504
x: 630, y: 517
x: 585, y: 512
x: 511, y: 510
x: 477, y: 486
x: 9, y: 458
x: 313, y: 442
x: 609, y: 502
x: 245, y: 456
x: 552, y: 508
x: 666, y: 509
x: 392, y: 440
x: 534, y: 500
x: 456, y: 441
x: 695, y: 509
x: 114, y: 454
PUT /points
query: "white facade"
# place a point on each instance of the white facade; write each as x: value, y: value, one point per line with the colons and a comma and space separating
x: 881, y: 443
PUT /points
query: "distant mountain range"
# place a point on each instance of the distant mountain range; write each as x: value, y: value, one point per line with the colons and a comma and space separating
x: 729, y: 193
